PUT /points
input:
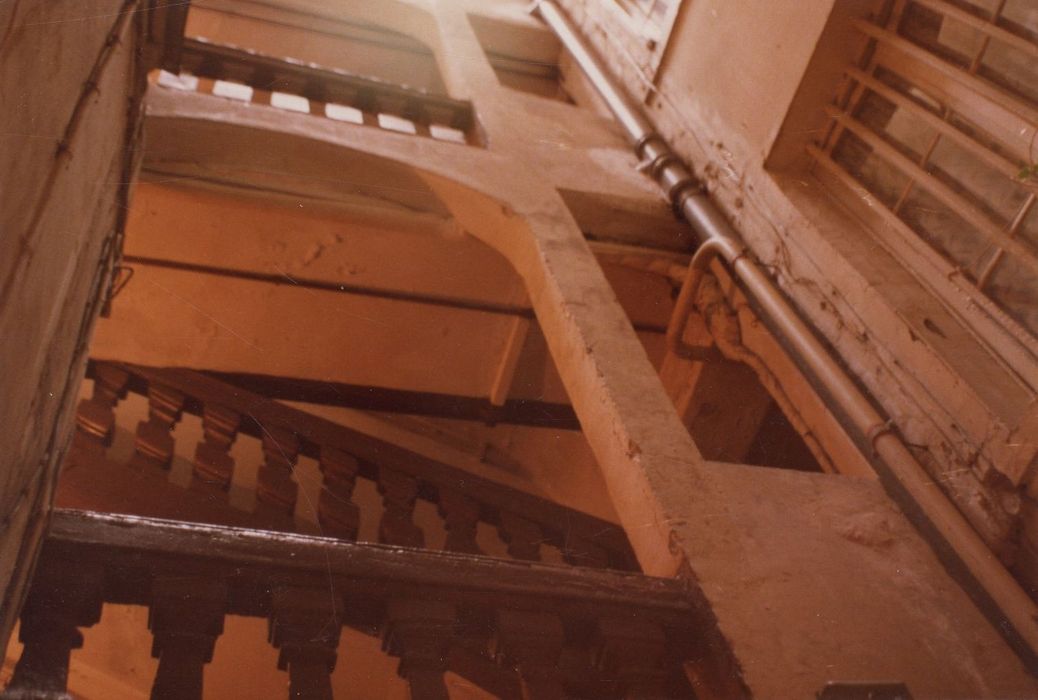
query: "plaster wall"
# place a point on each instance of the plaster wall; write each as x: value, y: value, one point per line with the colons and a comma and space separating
x: 60, y: 209
x: 736, y: 69
x: 182, y: 318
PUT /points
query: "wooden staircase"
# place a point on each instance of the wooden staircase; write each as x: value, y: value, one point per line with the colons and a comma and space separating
x: 590, y: 627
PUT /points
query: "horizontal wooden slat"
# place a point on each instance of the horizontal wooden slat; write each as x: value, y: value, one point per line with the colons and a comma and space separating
x: 1011, y: 131
x: 992, y: 30
x: 982, y: 152
x: 979, y: 87
x: 988, y: 228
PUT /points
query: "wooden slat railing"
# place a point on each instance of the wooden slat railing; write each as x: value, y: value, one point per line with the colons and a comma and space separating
x: 326, y: 86
x: 935, y: 122
x: 517, y: 629
x: 463, y: 500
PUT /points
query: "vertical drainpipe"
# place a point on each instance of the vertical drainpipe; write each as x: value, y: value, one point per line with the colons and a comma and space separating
x: 968, y: 559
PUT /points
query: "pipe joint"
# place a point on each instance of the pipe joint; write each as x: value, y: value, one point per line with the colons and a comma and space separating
x: 877, y: 431
x: 681, y: 191
x: 645, y: 139
x: 662, y: 161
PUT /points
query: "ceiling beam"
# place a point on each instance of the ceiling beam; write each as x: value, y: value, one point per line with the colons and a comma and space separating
x: 542, y: 414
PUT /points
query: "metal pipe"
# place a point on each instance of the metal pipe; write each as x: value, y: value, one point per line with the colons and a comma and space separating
x: 705, y: 254
x: 956, y: 543
x: 630, y: 117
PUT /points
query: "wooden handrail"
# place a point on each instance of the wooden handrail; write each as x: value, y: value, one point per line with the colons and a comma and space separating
x: 130, y: 546
x: 581, y: 632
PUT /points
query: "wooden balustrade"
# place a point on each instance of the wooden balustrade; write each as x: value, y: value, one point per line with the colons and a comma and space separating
x: 514, y: 628
x: 403, y: 477
x: 323, y: 86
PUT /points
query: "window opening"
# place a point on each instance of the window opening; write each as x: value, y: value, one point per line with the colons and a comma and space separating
x: 521, y: 58
x: 939, y: 125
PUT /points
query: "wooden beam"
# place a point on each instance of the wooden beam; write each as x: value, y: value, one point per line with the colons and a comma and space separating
x: 530, y: 412
x: 337, y: 287
x: 519, y: 311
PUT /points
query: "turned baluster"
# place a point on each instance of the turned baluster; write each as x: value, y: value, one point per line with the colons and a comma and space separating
x: 420, y: 633
x: 633, y: 651
x: 305, y: 624
x: 399, y: 492
x: 95, y: 417
x: 154, y: 436
x: 338, y: 515
x: 581, y: 552
x: 185, y: 619
x: 531, y: 643
x: 276, y: 492
x: 522, y: 536
x: 214, y: 465
x: 58, y: 604
x: 461, y: 517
